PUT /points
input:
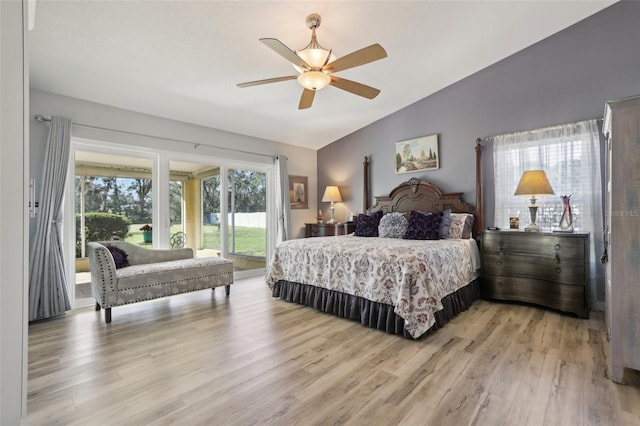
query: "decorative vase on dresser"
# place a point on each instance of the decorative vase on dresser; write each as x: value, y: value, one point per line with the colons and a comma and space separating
x: 622, y: 130
x: 543, y: 268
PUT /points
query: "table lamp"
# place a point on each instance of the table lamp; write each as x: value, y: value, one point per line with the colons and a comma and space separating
x: 533, y: 183
x: 331, y: 194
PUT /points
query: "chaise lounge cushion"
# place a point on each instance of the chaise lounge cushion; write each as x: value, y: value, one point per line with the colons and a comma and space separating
x: 177, y: 272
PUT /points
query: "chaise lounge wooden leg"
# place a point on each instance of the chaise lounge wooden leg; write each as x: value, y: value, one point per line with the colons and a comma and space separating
x: 107, y: 315
x: 227, y: 289
x: 97, y: 306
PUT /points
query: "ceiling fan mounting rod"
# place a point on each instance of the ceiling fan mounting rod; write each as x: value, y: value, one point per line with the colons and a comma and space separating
x: 313, y: 21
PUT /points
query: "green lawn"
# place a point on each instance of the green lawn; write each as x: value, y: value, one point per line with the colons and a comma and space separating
x: 251, y: 241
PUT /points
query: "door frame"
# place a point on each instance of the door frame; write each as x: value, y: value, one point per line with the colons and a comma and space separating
x: 160, y: 191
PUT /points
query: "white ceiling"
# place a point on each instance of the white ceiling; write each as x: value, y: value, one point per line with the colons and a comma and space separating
x: 182, y: 59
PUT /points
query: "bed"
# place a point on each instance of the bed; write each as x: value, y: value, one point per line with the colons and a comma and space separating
x: 401, y: 286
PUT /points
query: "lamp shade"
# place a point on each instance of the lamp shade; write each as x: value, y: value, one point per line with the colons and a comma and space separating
x: 316, y: 58
x: 532, y: 183
x: 331, y: 194
x: 314, y: 80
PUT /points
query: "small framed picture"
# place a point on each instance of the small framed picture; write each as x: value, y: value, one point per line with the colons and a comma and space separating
x: 298, y: 196
x: 514, y: 222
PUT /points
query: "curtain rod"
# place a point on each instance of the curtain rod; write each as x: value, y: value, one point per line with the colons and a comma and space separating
x: 42, y: 119
x: 541, y: 128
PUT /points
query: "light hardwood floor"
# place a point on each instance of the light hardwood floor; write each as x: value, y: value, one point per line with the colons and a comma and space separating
x: 203, y: 359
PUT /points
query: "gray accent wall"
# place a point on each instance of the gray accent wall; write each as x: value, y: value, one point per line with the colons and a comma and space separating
x: 565, y: 78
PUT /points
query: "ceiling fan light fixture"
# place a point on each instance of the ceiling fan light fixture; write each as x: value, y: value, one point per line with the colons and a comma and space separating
x: 314, y: 80
x: 313, y: 53
x: 316, y: 58
x: 316, y: 66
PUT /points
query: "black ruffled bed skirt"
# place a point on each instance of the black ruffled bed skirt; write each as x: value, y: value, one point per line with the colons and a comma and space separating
x: 372, y: 314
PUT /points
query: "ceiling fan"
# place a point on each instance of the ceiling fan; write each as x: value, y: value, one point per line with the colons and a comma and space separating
x: 316, y: 66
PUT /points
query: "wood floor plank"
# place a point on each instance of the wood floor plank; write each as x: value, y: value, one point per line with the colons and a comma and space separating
x: 203, y: 358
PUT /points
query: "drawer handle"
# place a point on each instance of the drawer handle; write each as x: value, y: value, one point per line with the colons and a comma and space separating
x: 557, y: 247
x: 499, y: 263
x: 501, y: 253
x: 558, y: 270
x: 556, y: 259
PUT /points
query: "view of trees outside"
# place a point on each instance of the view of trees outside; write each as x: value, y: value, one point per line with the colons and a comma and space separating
x: 246, y: 191
x: 250, y: 191
x: 128, y: 197
x: 211, y: 199
x: 132, y: 198
x: 175, y: 202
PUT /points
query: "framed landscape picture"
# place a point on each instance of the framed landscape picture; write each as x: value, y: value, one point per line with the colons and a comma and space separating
x: 298, y: 196
x: 414, y: 155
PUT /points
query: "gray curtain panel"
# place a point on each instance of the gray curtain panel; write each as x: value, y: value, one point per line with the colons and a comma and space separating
x: 47, y: 278
x: 283, y: 206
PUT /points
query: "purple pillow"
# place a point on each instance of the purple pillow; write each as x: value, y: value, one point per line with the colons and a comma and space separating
x: 367, y: 224
x: 423, y: 226
x: 119, y: 256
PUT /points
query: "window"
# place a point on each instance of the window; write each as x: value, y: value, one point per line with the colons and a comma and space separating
x: 570, y: 156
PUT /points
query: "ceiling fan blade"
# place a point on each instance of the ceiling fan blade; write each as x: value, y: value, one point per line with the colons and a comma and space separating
x: 355, y: 88
x: 306, y: 100
x: 268, y: 80
x: 280, y: 48
x: 357, y: 58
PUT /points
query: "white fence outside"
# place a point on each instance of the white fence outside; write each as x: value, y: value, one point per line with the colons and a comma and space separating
x: 248, y: 220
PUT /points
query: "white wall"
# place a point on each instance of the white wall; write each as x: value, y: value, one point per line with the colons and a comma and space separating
x: 13, y: 152
x: 301, y: 161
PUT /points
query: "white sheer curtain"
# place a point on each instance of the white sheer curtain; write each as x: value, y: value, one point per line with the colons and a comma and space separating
x: 570, y: 156
x: 283, y: 207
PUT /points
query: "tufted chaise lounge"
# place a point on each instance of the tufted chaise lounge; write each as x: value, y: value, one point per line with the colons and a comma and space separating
x: 152, y: 274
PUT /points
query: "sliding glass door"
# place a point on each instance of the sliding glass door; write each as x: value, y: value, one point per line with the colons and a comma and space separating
x: 234, y: 227
x: 165, y: 200
x: 247, y: 219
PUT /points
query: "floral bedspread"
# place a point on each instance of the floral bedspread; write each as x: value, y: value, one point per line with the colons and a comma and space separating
x: 411, y: 275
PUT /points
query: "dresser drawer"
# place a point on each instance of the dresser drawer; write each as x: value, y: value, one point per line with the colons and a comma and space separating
x: 568, y: 298
x: 533, y: 243
x: 560, y: 269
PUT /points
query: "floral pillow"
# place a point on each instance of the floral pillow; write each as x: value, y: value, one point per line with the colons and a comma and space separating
x: 392, y: 225
x: 461, y: 225
x: 367, y: 224
x: 423, y: 226
x: 120, y: 257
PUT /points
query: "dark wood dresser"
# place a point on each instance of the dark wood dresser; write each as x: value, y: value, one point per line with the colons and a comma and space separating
x: 549, y: 269
x: 328, y: 230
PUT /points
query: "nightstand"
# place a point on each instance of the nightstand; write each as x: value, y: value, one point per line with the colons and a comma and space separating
x: 328, y: 230
x: 548, y: 269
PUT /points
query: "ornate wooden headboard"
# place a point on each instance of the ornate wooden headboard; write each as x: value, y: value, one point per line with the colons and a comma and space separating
x: 416, y: 194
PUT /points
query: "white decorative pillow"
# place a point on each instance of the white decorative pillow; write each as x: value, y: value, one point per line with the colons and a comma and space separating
x: 393, y: 225
x: 461, y: 226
